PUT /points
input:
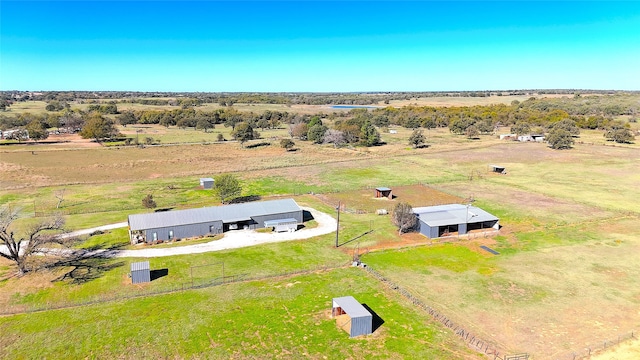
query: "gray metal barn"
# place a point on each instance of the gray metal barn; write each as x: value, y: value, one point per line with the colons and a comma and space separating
x: 437, y: 221
x: 352, y: 316
x: 140, y: 272
x: 181, y: 224
x: 206, y: 183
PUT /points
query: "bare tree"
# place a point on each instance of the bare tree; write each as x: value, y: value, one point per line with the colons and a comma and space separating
x: 335, y: 137
x: 35, y: 240
x: 59, y: 194
x: 404, y: 218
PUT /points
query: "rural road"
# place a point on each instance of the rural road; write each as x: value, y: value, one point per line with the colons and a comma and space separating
x: 231, y: 240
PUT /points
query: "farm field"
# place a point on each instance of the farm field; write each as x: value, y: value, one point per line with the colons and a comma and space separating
x: 565, y: 277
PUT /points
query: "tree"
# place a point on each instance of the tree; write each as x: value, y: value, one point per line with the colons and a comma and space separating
x: 316, y: 133
x: 335, y: 137
x: 220, y: 137
x: 287, y: 144
x: 560, y: 139
x: 417, y: 138
x: 99, y: 127
x: 244, y: 132
x: 34, y: 241
x: 227, y: 187
x: 521, y: 128
x: 472, y: 132
x: 148, y: 202
x: 404, y: 218
x: 369, y: 135
x: 620, y: 135
x: 568, y: 125
x: 36, y: 130
x: 126, y: 118
x: 204, y: 124
x: 299, y: 130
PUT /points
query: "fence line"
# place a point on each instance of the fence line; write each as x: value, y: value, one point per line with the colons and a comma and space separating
x: 184, y: 286
x: 592, y: 349
x: 470, y: 339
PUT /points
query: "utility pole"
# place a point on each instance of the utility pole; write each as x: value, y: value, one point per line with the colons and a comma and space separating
x: 338, y: 226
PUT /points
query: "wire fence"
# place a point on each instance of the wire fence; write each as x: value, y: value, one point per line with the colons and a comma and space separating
x: 471, y: 339
x: 598, y: 347
x: 141, y: 292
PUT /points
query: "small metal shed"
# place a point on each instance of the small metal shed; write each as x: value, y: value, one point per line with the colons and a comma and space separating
x: 140, y: 272
x: 281, y: 225
x: 498, y: 169
x: 383, y: 192
x: 352, y: 316
x: 206, y: 183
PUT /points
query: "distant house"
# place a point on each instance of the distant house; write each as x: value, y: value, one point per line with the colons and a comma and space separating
x: 524, y: 138
x: 352, y: 316
x: 508, y: 136
x: 181, y: 224
x: 206, y: 183
x: 442, y: 220
x: 384, y: 192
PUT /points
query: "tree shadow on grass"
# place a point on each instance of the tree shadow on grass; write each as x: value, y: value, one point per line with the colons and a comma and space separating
x: 83, y: 270
x: 84, y: 265
x: 377, y: 321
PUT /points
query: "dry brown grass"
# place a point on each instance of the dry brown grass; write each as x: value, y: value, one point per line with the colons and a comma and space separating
x: 415, y: 195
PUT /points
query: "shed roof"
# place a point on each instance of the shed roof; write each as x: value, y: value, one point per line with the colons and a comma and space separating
x: 206, y: 179
x: 383, y: 189
x: 351, y: 306
x: 225, y: 213
x: 143, y: 265
x: 452, y: 214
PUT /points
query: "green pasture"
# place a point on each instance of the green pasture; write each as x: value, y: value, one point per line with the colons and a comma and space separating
x: 285, y: 318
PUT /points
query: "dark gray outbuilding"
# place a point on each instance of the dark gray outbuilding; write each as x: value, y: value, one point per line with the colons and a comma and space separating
x: 436, y: 221
x: 140, y: 272
x: 358, y: 320
x: 206, y: 183
x: 181, y: 224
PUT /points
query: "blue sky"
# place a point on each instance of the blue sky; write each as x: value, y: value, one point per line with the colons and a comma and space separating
x: 319, y: 46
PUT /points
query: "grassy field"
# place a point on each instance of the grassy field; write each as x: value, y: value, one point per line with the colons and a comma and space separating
x: 285, y: 318
x: 564, y: 277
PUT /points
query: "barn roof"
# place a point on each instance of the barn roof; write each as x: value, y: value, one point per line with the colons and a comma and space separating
x: 452, y: 214
x: 225, y: 213
x: 383, y: 189
x: 351, y: 306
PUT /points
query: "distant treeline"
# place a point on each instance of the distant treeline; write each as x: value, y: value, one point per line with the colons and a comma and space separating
x: 529, y: 116
x: 230, y: 98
